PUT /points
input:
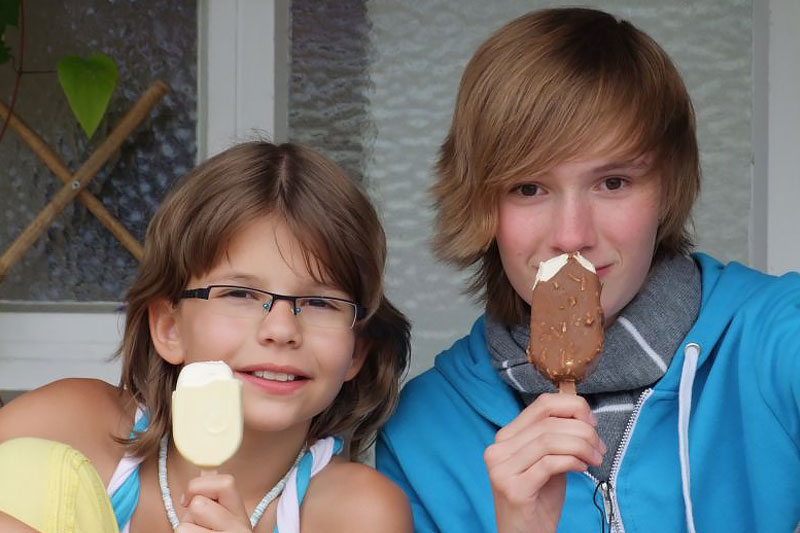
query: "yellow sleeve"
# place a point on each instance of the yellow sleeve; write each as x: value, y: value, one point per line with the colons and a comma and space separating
x: 52, y: 487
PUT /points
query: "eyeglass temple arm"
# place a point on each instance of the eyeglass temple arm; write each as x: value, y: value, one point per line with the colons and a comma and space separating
x: 196, y: 293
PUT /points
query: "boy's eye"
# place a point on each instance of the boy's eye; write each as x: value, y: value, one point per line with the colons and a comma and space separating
x: 614, y: 183
x: 526, y: 189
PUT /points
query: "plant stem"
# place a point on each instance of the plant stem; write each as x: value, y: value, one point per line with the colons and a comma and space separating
x: 18, y: 73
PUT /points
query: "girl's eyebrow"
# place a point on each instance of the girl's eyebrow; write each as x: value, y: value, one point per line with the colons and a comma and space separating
x: 255, y: 282
x: 240, y: 277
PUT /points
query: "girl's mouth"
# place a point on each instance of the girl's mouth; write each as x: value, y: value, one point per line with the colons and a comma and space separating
x: 275, y: 376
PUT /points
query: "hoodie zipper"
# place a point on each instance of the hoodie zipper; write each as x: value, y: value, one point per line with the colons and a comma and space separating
x: 606, y: 488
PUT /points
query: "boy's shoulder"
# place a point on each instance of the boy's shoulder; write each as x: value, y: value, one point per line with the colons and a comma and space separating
x: 349, y: 496
x: 83, y: 413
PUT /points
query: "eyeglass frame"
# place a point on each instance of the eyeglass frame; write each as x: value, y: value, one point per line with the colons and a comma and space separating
x: 204, y: 293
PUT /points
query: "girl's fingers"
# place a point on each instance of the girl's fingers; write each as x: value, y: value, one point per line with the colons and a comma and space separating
x: 220, y: 488
x: 186, y: 527
x: 214, y: 503
x: 206, y: 513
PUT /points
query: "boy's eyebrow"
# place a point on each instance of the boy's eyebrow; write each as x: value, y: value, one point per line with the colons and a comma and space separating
x: 632, y: 164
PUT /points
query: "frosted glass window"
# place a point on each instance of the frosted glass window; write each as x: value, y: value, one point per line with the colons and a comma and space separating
x: 373, y: 85
x: 77, y: 259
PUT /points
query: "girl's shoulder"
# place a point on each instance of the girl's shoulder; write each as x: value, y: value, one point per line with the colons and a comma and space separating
x: 353, y: 497
x: 83, y: 413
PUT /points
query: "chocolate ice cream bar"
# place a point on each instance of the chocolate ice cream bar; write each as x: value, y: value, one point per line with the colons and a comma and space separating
x: 566, y: 320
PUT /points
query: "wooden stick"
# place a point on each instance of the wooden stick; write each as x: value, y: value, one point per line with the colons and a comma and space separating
x: 57, y: 166
x: 82, y: 177
x: 566, y: 387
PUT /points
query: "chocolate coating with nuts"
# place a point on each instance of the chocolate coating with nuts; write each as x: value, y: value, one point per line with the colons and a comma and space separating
x: 566, y: 324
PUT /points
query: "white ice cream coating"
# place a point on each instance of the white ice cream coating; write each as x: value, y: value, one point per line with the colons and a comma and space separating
x: 549, y: 268
x: 207, y: 416
x: 203, y: 373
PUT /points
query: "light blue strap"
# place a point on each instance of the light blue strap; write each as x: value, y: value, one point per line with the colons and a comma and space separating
x: 126, y: 497
x: 304, y: 472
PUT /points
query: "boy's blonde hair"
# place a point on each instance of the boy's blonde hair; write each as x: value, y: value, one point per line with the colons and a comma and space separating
x: 343, y: 242
x: 541, y: 90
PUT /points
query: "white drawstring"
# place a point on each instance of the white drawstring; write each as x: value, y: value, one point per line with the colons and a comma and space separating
x: 691, y: 354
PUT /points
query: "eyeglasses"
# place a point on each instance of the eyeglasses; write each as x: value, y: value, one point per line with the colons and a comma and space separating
x: 246, y: 302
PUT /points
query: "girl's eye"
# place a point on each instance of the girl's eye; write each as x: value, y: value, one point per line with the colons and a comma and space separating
x: 526, y: 189
x: 238, y: 294
x: 323, y: 304
x: 614, y: 183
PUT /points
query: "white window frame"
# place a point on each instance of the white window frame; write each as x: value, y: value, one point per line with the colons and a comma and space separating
x: 243, y: 75
x: 775, y: 216
x: 243, y: 87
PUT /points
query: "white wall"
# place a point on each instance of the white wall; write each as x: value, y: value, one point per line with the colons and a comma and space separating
x: 783, y: 189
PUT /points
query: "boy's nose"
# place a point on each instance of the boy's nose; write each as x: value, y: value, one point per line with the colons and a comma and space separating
x: 279, y: 324
x: 573, y: 227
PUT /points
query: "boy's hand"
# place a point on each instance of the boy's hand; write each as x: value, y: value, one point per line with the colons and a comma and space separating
x: 530, y: 456
x: 213, y: 504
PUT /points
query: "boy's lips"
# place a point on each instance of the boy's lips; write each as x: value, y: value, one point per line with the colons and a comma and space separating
x: 603, y: 270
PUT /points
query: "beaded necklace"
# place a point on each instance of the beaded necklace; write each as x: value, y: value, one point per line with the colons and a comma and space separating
x: 167, y: 497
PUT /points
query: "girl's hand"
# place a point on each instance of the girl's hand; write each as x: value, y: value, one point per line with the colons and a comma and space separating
x: 213, y: 504
x: 530, y: 456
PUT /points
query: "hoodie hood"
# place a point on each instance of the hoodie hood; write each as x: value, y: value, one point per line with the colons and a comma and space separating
x: 467, y: 366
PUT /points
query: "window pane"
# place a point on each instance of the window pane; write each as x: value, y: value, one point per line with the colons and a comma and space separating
x: 373, y: 86
x: 77, y: 258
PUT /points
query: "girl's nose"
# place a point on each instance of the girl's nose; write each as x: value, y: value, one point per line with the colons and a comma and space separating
x: 280, y: 325
x: 573, y: 228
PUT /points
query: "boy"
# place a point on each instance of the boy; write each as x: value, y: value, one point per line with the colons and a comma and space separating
x: 573, y: 132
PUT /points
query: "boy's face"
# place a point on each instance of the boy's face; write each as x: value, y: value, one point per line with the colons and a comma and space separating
x: 605, y: 207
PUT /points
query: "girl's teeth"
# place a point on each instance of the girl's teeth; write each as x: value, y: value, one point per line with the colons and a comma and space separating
x: 274, y: 376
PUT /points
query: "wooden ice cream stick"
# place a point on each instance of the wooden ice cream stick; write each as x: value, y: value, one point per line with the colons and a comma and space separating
x: 83, y: 176
x: 566, y: 387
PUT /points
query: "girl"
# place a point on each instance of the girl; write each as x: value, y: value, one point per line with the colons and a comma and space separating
x: 270, y: 259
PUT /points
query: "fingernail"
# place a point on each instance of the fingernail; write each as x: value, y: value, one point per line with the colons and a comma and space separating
x: 598, y: 457
x: 605, y: 448
x: 183, y: 500
x: 593, y: 418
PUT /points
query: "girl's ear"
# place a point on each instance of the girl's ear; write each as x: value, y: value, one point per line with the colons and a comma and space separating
x: 164, y: 331
x: 359, y: 356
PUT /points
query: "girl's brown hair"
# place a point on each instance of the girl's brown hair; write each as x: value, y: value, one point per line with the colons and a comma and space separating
x: 542, y: 89
x: 343, y: 242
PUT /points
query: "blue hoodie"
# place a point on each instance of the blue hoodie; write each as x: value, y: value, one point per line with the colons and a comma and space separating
x: 713, y: 446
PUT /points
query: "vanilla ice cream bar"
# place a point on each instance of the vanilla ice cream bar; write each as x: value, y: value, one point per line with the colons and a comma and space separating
x: 207, y: 413
x: 566, y: 320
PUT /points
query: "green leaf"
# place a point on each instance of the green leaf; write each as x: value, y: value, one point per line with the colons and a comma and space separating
x: 9, y: 16
x: 4, y: 53
x: 88, y: 84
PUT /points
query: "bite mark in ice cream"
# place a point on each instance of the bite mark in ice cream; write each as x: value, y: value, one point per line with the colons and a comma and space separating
x: 207, y: 417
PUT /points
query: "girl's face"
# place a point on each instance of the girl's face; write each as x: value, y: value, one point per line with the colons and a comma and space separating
x: 291, y: 371
x: 606, y: 208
